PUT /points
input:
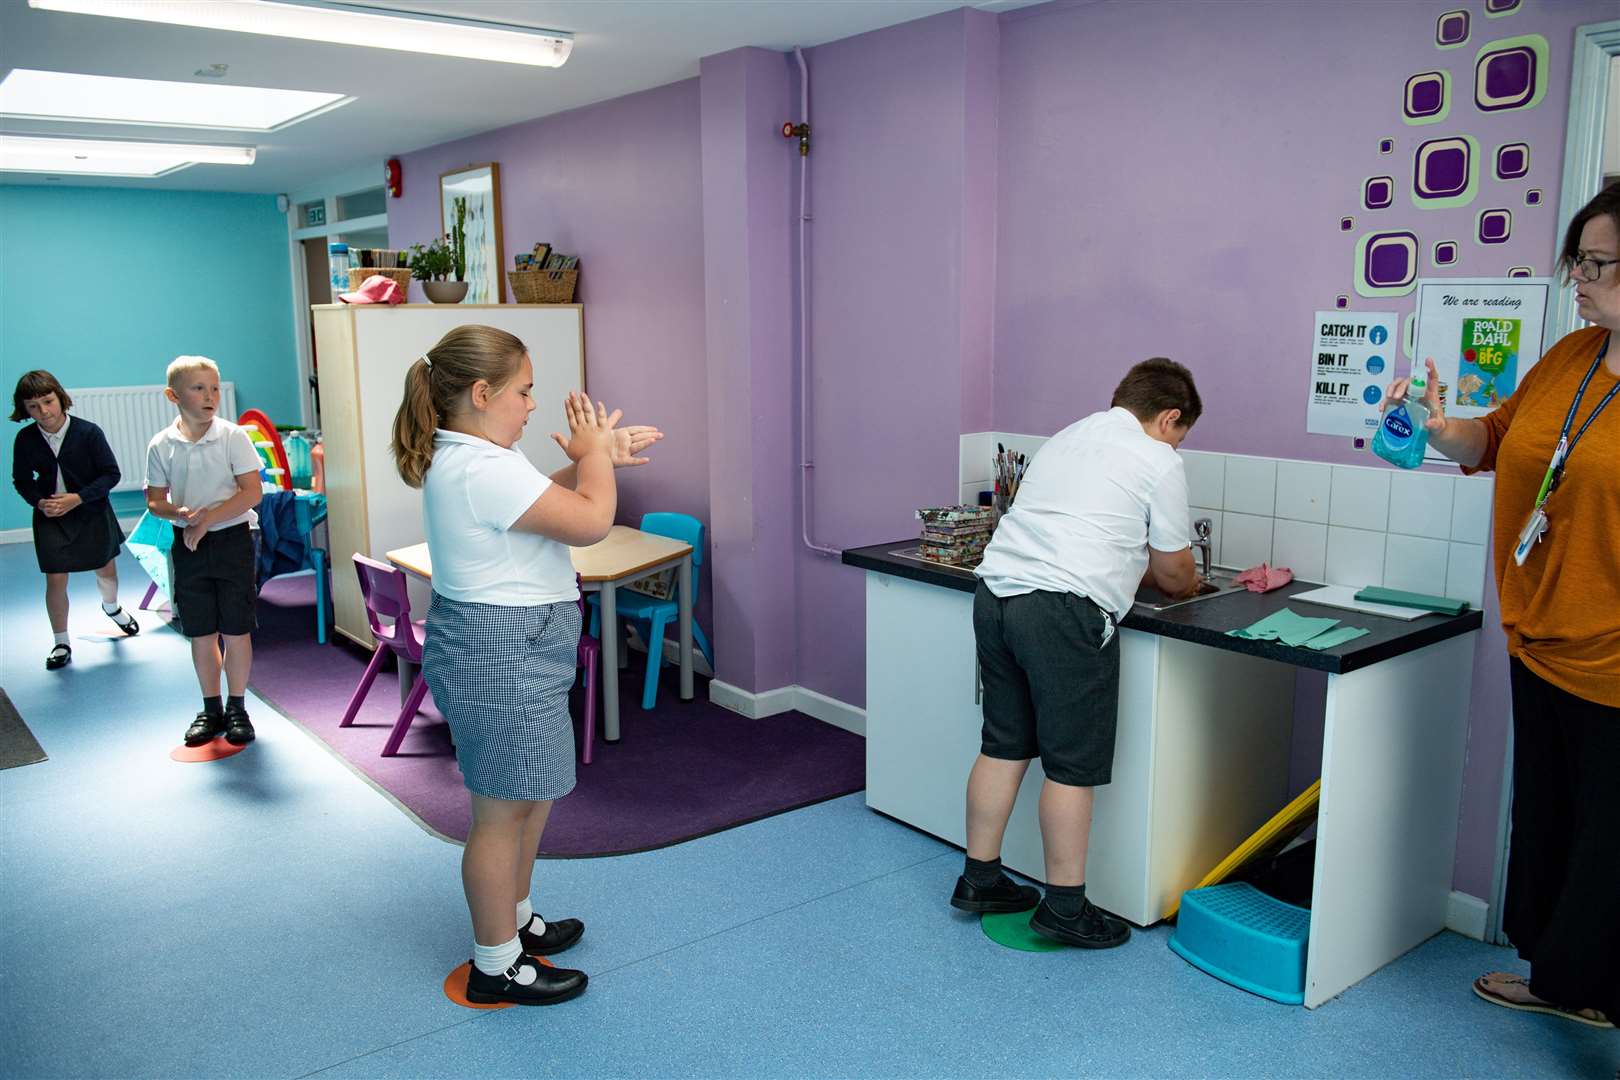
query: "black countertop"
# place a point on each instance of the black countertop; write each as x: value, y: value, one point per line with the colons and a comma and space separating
x: 1207, y: 621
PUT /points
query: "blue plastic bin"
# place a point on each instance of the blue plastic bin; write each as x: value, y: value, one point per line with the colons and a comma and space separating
x: 1241, y: 936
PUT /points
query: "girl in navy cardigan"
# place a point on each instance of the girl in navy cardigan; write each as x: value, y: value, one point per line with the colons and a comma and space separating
x: 64, y: 468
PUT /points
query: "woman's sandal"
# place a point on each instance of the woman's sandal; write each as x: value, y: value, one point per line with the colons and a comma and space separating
x: 1492, y: 988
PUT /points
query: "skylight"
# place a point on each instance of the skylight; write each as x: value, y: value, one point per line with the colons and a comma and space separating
x: 61, y: 95
x: 104, y: 157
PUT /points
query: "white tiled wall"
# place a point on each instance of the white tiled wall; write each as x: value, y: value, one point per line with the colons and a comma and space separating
x: 1339, y: 524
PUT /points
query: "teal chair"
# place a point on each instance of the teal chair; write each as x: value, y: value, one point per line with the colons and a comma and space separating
x: 650, y: 614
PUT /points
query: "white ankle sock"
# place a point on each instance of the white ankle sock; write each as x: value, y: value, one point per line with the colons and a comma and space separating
x: 63, y: 639
x: 495, y: 959
x: 109, y: 593
x: 527, y: 919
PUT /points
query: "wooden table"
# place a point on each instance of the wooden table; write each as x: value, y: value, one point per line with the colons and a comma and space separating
x: 623, y: 556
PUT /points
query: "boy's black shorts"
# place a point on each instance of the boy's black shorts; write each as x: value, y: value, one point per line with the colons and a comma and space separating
x: 1050, y: 666
x: 215, y: 588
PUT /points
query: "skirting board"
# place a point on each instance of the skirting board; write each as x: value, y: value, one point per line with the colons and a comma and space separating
x: 26, y: 536
x: 1468, y: 915
x: 828, y: 710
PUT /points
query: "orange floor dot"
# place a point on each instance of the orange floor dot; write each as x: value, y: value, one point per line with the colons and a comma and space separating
x: 208, y: 751
x: 455, y: 987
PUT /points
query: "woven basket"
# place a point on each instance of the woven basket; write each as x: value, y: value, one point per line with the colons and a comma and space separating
x: 358, y: 275
x: 543, y: 286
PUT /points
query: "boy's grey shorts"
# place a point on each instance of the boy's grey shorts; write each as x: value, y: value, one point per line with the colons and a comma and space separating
x: 1050, y: 667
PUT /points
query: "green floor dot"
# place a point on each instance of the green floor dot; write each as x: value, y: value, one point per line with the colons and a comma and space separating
x: 1013, y: 931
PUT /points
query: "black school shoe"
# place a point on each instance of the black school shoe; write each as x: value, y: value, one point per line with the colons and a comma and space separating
x: 130, y: 628
x: 1002, y: 897
x: 238, y: 728
x: 550, y: 984
x: 559, y: 935
x: 60, y: 657
x: 1091, y: 929
x: 205, y: 728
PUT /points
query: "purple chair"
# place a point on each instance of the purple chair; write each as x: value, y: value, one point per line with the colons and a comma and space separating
x: 589, y: 658
x: 383, y: 587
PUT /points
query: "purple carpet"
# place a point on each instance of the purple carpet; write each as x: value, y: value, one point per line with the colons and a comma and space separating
x: 678, y: 772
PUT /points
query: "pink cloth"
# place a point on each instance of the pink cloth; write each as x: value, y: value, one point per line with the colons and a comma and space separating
x: 1264, y: 578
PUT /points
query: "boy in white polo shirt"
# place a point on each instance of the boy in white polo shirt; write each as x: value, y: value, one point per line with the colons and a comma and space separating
x: 1103, y: 502
x: 202, y: 473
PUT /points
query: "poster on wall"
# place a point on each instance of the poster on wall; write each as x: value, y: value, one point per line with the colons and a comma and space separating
x: 1352, y: 358
x: 480, y: 186
x: 1483, y: 335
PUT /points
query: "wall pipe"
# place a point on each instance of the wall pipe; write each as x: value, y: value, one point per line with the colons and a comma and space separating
x: 807, y: 464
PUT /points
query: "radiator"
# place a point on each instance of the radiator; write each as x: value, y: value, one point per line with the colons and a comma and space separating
x: 131, y: 415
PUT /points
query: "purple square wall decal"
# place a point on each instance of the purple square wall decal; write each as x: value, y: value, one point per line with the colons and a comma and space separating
x: 1495, y: 226
x: 1391, y: 260
x: 1425, y: 96
x: 1451, y: 29
x: 1346, y: 224
x: 1444, y: 172
x: 1386, y: 146
x: 1341, y: 301
x: 1521, y: 271
x: 1378, y: 192
x: 1512, y: 161
x: 1501, y: 7
x: 1511, y: 73
x: 1532, y: 197
x: 1445, y: 253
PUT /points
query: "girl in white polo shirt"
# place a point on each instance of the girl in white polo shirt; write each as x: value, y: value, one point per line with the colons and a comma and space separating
x: 504, y: 624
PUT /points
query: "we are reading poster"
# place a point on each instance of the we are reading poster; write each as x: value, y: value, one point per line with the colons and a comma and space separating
x: 1483, y: 335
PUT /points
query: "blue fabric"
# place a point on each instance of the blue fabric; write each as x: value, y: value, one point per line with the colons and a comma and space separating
x: 283, y: 545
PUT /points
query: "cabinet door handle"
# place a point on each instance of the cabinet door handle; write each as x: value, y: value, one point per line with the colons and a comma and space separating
x: 978, y: 684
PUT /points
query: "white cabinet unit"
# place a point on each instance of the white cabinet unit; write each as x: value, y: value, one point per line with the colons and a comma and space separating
x: 1201, y: 758
x: 364, y: 352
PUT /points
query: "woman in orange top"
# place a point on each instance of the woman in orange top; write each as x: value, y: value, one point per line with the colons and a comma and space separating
x: 1560, y: 593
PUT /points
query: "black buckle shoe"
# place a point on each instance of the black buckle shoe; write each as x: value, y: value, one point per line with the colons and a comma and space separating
x: 550, y: 985
x: 130, y: 628
x: 238, y: 728
x: 1093, y: 928
x: 1002, y: 897
x: 60, y: 657
x: 205, y: 728
x: 559, y: 935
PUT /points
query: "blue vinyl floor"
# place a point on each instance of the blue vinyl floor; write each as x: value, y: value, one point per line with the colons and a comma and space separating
x: 272, y: 915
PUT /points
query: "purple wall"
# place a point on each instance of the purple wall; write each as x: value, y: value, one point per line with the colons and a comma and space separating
x: 620, y: 185
x: 894, y: 228
x: 1171, y: 183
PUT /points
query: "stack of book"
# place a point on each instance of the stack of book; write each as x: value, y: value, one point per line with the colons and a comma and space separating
x: 955, y: 535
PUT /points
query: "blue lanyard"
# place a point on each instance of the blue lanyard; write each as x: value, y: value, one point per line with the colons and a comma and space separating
x: 1566, y: 445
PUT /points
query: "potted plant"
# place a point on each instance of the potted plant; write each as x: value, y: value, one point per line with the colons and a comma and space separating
x: 445, y: 256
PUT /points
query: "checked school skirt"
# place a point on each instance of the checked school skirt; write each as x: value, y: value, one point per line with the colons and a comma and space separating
x: 501, y: 676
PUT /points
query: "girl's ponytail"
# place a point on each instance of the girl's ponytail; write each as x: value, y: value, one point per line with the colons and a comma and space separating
x: 414, y: 425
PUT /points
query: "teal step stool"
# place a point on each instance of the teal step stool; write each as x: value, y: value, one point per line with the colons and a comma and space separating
x: 1241, y: 936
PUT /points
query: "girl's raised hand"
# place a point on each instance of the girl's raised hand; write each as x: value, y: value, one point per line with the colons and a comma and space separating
x: 590, y: 427
x: 629, y: 442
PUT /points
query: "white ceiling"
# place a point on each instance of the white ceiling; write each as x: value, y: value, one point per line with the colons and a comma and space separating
x: 405, y: 101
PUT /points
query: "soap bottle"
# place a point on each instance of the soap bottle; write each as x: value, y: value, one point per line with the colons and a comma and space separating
x: 1402, y: 436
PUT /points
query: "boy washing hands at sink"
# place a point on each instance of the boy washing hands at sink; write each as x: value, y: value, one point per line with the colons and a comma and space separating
x: 1103, y: 502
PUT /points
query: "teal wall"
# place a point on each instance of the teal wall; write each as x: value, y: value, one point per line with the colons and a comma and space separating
x: 104, y: 286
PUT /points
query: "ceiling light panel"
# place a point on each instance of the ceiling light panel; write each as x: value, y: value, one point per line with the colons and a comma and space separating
x: 61, y: 95
x: 342, y: 24
x: 102, y: 157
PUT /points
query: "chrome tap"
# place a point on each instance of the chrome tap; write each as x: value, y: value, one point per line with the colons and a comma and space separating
x: 1202, y: 527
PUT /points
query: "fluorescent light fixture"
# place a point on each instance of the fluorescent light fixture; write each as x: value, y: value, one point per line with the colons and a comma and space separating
x: 104, y: 157
x: 343, y: 24
x: 62, y: 95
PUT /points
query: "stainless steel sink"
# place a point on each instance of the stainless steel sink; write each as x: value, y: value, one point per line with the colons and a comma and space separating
x: 1219, y: 583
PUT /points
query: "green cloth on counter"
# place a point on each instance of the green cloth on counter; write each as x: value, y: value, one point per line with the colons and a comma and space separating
x: 1372, y: 594
x: 1336, y: 637
x: 1285, y: 626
